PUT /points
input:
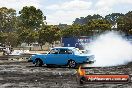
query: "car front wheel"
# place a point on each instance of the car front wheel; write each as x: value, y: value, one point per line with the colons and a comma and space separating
x: 38, y: 63
x: 72, y: 64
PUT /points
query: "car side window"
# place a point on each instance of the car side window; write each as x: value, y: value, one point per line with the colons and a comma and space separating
x: 54, y: 51
x: 70, y: 52
x: 63, y: 51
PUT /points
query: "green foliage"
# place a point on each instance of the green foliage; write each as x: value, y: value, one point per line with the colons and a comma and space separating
x: 125, y: 23
x: 9, y: 38
x: 31, y: 18
x: 112, y: 18
x: 93, y: 27
x: 28, y: 36
x: 48, y: 34
x: 29, y: 26
x: 7, y: 19
x: 12, y: 39
x: 85, y: 20
x: 3, y: 37
x: 29, y: 22
x: 98, y: 26
x: 73, y: 30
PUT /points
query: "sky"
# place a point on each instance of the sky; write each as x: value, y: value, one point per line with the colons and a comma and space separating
x: 66, y: 11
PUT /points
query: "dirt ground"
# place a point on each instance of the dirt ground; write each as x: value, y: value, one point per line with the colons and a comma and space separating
x: 25, y: 75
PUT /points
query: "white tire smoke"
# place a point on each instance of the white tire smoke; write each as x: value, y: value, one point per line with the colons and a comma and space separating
x: 111, y: 49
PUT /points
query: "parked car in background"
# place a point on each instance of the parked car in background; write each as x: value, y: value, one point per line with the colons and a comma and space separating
x: 69, y: 56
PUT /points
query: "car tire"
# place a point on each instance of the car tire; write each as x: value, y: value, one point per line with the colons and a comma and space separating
x: 49, y: 66
x: 38, y: 63
x: 71, y: 64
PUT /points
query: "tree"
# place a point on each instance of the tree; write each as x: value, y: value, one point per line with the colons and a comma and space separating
x: 11, y: 39
x: 93, y: 27
x: 7, y: 19
x: 31, y: 18
x: 72, y: 31
x: 96, y: 26
x: 112, y: 18
x: 125, y: 23
x: 28, y: 36
x: 48, y: 34
x: 3, y: 37
x: 29, y: 22
x: 85, y: 20
x: 80, y: 21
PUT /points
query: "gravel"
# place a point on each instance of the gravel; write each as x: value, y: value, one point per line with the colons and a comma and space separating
x: 25, y: 75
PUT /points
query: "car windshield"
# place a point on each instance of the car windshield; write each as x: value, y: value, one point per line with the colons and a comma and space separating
x: 77, y: 51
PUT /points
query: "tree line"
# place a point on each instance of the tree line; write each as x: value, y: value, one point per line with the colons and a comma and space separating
x: 28, y: 26
x: 96, y: 24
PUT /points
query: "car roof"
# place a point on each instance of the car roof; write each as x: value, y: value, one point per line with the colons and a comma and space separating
x: 63, y: 48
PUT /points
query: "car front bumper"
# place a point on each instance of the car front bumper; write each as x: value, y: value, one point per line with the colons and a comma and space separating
x: 89, y: 62
x: 90, y: 59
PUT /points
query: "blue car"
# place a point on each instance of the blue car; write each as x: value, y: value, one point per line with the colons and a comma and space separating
x: 69, y: 56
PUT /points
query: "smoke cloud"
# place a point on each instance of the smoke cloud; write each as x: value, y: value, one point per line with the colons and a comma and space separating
x: 110, y: 49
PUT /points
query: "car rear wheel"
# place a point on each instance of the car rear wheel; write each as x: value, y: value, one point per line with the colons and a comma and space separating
x: 38, y: 63
x: 49, y: 66
x: 72, y: 64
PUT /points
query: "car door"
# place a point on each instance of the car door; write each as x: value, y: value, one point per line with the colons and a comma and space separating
x: 62, y: 57
x: 57, y: 57
x: 51, y: 57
